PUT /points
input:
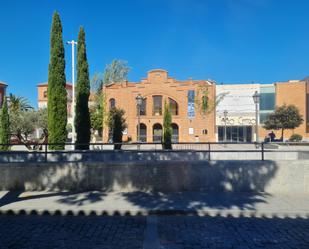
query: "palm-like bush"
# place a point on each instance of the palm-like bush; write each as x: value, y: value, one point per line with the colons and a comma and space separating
x: 18, y: 103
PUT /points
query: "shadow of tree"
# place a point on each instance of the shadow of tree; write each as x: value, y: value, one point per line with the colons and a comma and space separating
x: 152, y: 185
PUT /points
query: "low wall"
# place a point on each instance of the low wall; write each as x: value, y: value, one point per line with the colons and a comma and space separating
x: 165, y: 176
x: 136, y: 156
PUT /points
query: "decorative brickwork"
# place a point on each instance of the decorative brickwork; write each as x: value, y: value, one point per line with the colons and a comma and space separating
x: 159, y: 88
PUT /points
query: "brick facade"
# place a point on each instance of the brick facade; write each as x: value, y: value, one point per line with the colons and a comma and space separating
x: 158, y: 83
x: 293, y: 93
x: 42, y: 96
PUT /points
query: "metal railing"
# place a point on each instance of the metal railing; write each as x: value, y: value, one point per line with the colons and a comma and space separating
x: 207, y: 147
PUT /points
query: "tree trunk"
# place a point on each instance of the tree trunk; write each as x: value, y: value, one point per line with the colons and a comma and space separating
x: 282, y: 130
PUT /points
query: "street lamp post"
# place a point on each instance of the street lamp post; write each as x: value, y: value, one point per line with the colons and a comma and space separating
x: 73, y: 43
x: 139, y: 101
x: 256, y: 99
x: 225, y: 118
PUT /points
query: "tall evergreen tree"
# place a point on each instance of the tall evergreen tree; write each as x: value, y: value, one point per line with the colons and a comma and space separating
x: 167, y: 128
x: 82, y: 116
x: 4, y: 126
x: 57, y: 95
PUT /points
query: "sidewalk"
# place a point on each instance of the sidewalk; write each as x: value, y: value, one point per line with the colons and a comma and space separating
x: 144, y: 203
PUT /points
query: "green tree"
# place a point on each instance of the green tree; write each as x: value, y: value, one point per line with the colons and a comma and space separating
x: 284, y: 117
x: 204, y: 103
x: 4, y: 126
x: 82, y: 116
x: 116, y: 71
x: 18, y: 103
x: 57, y: 95
x: 23, y: 125
x: 167, y: 128
x: 117, y: 124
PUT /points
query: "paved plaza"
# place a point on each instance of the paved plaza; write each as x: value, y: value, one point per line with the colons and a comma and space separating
x: 161, y: 232
x: 138, y: 202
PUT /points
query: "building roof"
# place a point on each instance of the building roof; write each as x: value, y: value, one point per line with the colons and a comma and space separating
x: 153, y: 73
x: 2, y: 83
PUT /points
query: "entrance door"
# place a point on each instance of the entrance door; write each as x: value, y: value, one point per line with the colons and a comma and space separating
x: 235, y: 133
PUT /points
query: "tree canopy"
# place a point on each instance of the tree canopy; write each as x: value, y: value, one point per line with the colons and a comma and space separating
x: 24, y: 124
x: 117, y: 124
x: 4, y: 126
x: 116, y: 71
x: 284, y: 117
x: 18, y: 103
x: 82, y: 116
x: 57, y: 95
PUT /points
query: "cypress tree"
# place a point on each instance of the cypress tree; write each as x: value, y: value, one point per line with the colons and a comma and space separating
x: 57, y: 95
x: 167, y: 128
x: 4, y: 126
x: 82, y: 91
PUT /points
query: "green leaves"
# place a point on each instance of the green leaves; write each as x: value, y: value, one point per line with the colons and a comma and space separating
x: 117, y: 124
x: 82, y: 115
x: 284, y: 117
x: 167, y: 127
x: 204, y: 103
x: 57, y: 95
x: 18, y: 103
x: 4, y: 126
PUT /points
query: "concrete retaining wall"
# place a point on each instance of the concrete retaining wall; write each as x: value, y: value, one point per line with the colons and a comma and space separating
x: 165, y: 176
x: 130, y: 156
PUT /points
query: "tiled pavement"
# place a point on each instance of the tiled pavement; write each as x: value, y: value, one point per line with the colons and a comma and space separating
x: 51, y: 232
x: 168, y: 232
x: 233, y: 233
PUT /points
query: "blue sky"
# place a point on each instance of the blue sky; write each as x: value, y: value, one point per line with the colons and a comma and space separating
x: 230, y: 41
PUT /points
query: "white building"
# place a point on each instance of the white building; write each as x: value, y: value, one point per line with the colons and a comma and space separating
x: 239, y: 122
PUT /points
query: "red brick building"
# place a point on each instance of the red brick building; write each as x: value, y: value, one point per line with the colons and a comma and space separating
x: 188, y: 123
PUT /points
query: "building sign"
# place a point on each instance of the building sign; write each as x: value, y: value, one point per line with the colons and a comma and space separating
x: 191, y: 108
x: 236, y: 121
x: 191, y: 131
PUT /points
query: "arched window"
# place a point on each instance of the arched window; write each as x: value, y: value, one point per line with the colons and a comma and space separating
x: 173, y: 106
x: 143, y: 133
x: 175, y: 133
x: 157, y: 133
x: 157, y: 105
x: 143, y: 107
x: 112, y: 103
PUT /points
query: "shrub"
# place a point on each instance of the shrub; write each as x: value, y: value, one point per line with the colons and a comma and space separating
x: 296, y: 138
x: 167, y: 128
x: 117, y: 124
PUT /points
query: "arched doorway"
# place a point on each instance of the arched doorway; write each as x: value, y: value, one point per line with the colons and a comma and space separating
x: 157, y: 133
x: 143, y: 132
x: 175, y: 133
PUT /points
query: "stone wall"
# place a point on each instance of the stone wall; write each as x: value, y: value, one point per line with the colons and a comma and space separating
x: 165, y: 176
